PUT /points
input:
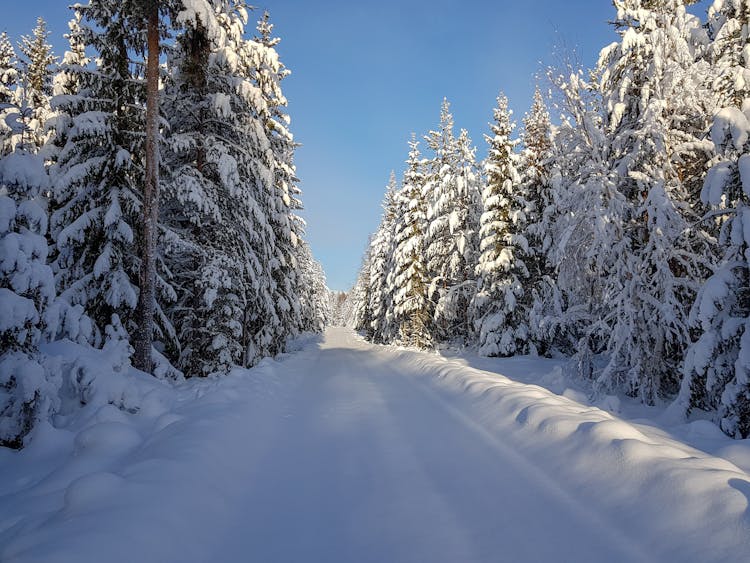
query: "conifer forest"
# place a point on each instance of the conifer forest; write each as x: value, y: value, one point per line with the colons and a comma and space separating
x: 545, y: 354
x: 618, y: 236
x: 232, y: 276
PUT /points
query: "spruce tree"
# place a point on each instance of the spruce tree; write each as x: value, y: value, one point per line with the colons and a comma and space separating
x: 8, y: 83
x: 64, y: 84
x: 470, y: 181
x: 644, y: 78
x: 283, y: 197
x: 262, y: 326
x: 411, y: 306
x: 190, y: 201
x: 27, y: 290
x: 717, y: 365
x: 452, y: 192
x: 499, y: 314
x: 31, y: 312
x: 535, y: 170
x: 8, y: 69
x: 236, y: 253
x: 191, y: 204
x: 37, y: 68
x: 381, y: 251
x: 727, y: 29
x: 314, y: 296
x: 360, y: 312
x: 99, y: 173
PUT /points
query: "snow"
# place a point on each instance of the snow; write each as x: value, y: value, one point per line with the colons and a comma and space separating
x: 744, y: 167
x: 730, y: 123
x: 347, y: 451
x: 17, y: 310
x: 717, y: 179
x: 194, y: 11
x: 25, y: 170
x: 7, y: 213
x: 222, y: 104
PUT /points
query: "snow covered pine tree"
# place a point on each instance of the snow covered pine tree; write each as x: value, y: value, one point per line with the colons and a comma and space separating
x: 411, y: 307
x: 234, y: 245
x: 37, y: 68
x: 98, y: 174
x: 717, y: 365
x: 32, y: 315
x: 451, y: 242
x: 649, y: 80
x: 500, y: 318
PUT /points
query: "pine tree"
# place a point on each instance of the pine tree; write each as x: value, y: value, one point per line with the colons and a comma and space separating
x: 37, y: 75
x: 65, y: 83
x: 717, y: 365
x: 8, y: 82
x: 411, y: 306
x: 644, y: 80
x: 29, y: 387
x: 381, y: 251
x: 37, y: 67
x: 500, y: 317
x: 452, y: 192
x: 98, y: 176
x: 534, y: 168
x: 360, y: 313
x: 236, y: 250
x: 283, y: 199
x: 314, y: 296
x: 8, y: 69
x: 27, y: 289
x: 143, y: 337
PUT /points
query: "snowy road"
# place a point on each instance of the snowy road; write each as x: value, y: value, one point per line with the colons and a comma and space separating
x: 369, y: 464
x: 348, y: 452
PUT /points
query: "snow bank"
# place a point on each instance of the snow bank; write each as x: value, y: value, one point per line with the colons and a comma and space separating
x: 124, y: 476
x: 683, y: 503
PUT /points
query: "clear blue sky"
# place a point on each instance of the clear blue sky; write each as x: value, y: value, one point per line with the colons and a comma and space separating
x: 366, y: 74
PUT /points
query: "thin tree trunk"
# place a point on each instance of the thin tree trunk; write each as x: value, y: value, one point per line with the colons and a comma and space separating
x: 147, y: 297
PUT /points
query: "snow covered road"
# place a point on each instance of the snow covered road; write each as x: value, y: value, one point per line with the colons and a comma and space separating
x: 369, y: 464
x: 349, y: 452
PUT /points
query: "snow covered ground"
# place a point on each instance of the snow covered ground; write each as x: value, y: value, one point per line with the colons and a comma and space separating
x: 346, y: 451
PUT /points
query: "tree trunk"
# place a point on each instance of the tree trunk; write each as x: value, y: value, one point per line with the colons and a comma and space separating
x: 147, y: 298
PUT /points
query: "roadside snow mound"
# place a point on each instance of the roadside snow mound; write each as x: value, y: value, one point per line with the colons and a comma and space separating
x: 129, y: 451
x: 699, y: 501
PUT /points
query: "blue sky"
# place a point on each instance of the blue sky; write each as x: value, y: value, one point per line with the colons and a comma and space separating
x: 367, y: 74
